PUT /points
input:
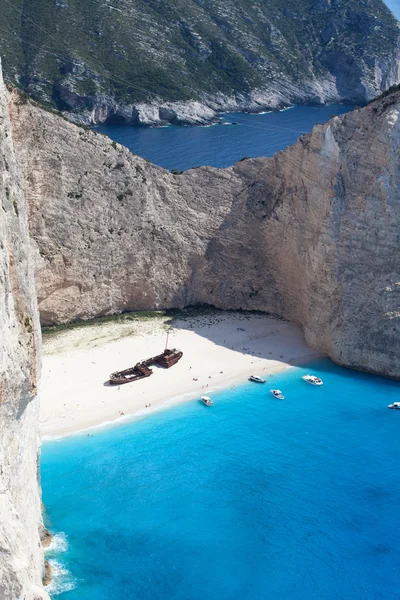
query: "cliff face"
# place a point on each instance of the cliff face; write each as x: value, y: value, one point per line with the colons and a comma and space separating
x: 151, y: 62
x: 311, y: 234
x: 21, y: 555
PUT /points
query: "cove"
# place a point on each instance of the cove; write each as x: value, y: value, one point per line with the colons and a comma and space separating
x: 222, y: 145
x: 252, y: 499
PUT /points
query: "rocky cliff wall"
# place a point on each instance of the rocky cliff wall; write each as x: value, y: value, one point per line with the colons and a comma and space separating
x: 311, y: 234
x: 21, y: 554
x: 181, y: 61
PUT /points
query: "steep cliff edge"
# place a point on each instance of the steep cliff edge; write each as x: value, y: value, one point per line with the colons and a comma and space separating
x: 21, y: 554
x: 151, y: 62
x: 310, y: 234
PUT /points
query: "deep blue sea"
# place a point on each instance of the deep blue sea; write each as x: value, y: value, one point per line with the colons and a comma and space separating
x: 253, y: 499
x: 222, y: 145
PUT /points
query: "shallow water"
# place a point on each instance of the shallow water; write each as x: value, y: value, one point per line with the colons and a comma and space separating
x: 222, y: 145
x: 254, y: 498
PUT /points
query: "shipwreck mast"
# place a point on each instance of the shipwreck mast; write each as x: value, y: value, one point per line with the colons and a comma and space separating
x: 166, y: 343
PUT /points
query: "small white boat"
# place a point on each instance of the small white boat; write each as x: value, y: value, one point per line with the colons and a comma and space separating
x: 312, y: 379
x: 257, y: 379
x: 395, y: 405
x: 277, y: 394
x: 207, y: 401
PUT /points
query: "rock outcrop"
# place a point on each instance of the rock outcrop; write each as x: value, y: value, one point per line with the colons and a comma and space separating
x: 152, y: 62
x: 310, y: 234
x: 21, y: 554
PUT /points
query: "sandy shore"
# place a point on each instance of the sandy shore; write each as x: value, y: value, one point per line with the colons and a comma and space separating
x: 219, y: 350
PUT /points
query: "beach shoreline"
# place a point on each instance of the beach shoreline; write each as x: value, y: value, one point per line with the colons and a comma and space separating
x: 220, y: 350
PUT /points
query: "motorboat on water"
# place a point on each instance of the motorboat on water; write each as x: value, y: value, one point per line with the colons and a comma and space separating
x: 277, y: 394
x: 312, y: 379
x: 395, y: 405
x: 207, y: 401
x: 257, y: 379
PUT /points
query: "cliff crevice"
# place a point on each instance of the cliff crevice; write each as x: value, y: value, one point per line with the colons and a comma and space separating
x: 21, y: 554
x: 310, y: 234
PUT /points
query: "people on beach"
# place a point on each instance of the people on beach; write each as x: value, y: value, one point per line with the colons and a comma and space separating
x: 207, y: 357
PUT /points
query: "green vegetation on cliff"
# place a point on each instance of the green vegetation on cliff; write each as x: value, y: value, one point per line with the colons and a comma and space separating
x: 68, y: 52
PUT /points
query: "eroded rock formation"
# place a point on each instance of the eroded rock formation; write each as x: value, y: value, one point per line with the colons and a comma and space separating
x: 21, y: 554
x: 148, y: 62
x: 311, y: 234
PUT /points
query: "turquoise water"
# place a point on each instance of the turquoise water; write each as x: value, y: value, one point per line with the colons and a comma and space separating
x: 222, y: 145
x: 254, y: 498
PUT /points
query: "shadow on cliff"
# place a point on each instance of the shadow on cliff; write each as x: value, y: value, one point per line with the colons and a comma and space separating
x: 250, y: 333
x: 256, y: 334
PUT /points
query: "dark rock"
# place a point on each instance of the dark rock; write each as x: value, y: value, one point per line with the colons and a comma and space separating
x: 47, y: 575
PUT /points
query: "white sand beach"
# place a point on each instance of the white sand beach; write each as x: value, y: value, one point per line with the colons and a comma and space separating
x: 220, y: 350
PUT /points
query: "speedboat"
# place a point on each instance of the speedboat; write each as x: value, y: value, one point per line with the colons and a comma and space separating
x: 312, y: 379
x: 277, y: 394
x: 395, y: 405
x: 257, y: 379
x: 207, y: 401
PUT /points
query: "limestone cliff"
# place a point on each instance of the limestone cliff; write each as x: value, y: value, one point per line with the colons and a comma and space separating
x: 310, y: 234
x: 152, y: 61
x: 21, y: 555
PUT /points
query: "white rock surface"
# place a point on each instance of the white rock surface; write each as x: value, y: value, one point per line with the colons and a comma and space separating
x: 280, y: 93
x: 310, y: 234
x: 21, y: 554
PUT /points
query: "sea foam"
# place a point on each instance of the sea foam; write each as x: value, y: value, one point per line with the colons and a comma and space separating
x: 62, y: 580
x: 58, y: 544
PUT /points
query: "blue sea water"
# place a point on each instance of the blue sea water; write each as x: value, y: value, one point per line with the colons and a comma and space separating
x: 222, y: 145
x: 253, y: 499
